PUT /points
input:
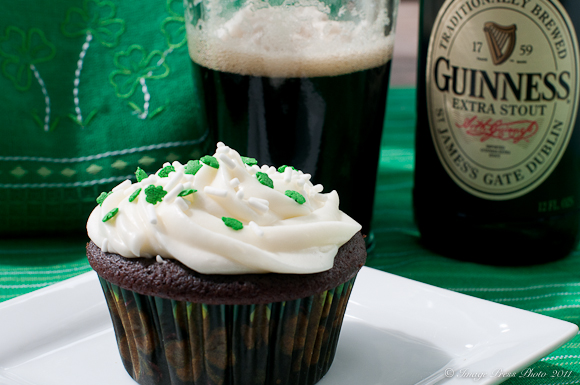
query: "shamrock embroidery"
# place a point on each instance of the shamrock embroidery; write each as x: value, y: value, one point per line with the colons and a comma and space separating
x: 95, y: 18
x: 173, y: 27
x: 135, y: 67
x: 21, y: 52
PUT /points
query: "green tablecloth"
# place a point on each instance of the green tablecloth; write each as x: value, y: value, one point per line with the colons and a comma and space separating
x: 552, y: 289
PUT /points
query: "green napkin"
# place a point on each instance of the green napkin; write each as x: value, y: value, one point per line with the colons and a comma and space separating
x: 90, y: 89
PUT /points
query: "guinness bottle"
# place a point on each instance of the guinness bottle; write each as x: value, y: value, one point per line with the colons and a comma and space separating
x: 497, y: 176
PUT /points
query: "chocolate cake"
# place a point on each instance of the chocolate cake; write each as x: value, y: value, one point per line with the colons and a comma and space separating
x: 223, y: 272
x: 171, y: 279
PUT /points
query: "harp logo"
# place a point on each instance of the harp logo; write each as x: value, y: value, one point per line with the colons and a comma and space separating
x: 501, y: 41
x: 502, y: 90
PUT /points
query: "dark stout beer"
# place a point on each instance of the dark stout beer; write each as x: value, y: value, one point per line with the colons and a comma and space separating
x: 290, y: 86
x: 327, y: 126
x: 497, y: 176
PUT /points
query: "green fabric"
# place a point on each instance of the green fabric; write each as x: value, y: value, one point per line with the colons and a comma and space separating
x: 552, y: 289
x: 29, y: 264
x: 85, y: 100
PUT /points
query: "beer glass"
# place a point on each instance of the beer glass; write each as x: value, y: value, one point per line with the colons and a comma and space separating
x: 301, y: 83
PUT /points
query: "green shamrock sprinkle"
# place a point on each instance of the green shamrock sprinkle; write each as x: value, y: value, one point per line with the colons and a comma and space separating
x: 210, y: 161
x: 265, y: 179
x: 134, y: 195
x: 299, y: 198
x: 192, y: 167
x: 249, y: 161
x: 111, y: 214
x: 140, y: 174
x: 282, y: 168
x: 164, y: 173
x: 186, y: 192
x: 101, y: 198
x: 154, y: 194
x: 233, y: 223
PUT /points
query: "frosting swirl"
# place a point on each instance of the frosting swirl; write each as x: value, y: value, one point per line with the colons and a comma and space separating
x: 224, y: 215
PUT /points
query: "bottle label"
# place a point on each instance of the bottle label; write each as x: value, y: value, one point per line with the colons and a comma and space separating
x: 502, y: 92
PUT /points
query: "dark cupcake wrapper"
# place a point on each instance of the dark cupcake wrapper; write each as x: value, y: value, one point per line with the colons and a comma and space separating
x: 168, y: 342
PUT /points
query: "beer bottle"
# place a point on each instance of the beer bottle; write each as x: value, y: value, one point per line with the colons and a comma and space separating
x: 497, y: 177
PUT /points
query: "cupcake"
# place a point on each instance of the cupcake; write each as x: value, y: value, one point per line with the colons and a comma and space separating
x: 223, y: 272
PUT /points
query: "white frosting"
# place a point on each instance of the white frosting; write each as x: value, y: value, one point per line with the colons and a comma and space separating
x: 292, y: 41
x: 279, y: 235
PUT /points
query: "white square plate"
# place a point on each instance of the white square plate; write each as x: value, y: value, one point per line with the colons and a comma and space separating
x: 396, y: 332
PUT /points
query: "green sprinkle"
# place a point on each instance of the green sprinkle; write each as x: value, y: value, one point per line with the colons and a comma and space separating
x: 154, y: 194
x: 164, y: 173
x: 233, y: 223
x: 265, y: 179
x: 186, y: 192
x: 299, y: 198
x: 101, y: 198
x: 111, y: 214
x: 140, y: 174
x: 134, y: 195
x: 192, y: 167
x: 282, y: 168
x: 249, y: 161
x: 210, y: 161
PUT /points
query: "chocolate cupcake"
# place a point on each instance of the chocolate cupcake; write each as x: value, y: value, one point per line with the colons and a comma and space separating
x: 223, y: 272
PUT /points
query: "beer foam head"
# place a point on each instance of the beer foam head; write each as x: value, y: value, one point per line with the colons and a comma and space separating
x: 291, y: 41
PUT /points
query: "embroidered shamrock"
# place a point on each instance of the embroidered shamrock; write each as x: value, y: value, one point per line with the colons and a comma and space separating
x: 21, y: 52
x: 134, y: 67
x: 95, y: 18
x: 173, y: 27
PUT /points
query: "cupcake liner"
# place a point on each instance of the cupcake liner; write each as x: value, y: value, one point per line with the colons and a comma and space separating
x: 168, y: 342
